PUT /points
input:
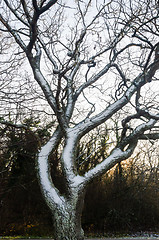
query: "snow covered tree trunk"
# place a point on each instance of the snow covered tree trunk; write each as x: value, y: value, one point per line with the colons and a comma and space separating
x: 66, y: 208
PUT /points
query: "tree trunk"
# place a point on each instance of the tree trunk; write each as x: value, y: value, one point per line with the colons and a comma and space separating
x: 67, y: 226
x: 67, y: 222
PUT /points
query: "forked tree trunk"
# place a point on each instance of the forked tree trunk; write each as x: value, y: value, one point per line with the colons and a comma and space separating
x: 66, y: 207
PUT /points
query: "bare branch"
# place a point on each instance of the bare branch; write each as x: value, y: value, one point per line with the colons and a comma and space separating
x: 13, y: 33
x: 92, y: 80
x: 15, y: 13
x: 47, y: 6
x: 10, y: 124
x: 149, y: 136
x: 26, y: 11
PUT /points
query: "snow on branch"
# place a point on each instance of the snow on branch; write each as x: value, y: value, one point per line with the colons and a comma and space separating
x: 116, y: 156
x: 50, y: 192
x: 121, y: 152
x: 98, y: 119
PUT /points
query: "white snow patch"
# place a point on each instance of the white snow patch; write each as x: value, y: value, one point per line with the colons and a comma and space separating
x: 77, y: 181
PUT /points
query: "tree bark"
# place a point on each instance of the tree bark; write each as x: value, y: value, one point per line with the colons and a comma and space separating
x: 67, y: 226
x: 67, y: 221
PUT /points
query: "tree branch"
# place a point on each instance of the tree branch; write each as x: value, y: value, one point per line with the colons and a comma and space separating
x: 92, y: 80
x: 10, y: 124
x: 149, y: 136
x: 50, y: 192
x: 13, y: 33
x: 119, y: 153
x: 49, y: 55
x: 15, y: 13
x: 96, y: 120
x: 47, y: 6
x: 26, y: 10
x: 136, y: 133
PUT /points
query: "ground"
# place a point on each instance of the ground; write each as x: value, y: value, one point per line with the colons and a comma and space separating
x: 134, y: 238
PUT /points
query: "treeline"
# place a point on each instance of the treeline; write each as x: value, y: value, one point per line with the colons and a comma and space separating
x: 125, y: 199
x: 123, y: 202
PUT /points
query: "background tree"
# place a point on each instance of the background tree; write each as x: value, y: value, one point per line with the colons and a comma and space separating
x: 107, y: 51
x: 22, y: 210
x: 137, y: 191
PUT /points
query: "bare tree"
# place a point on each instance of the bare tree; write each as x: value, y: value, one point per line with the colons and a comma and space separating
x: 92, y: 61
